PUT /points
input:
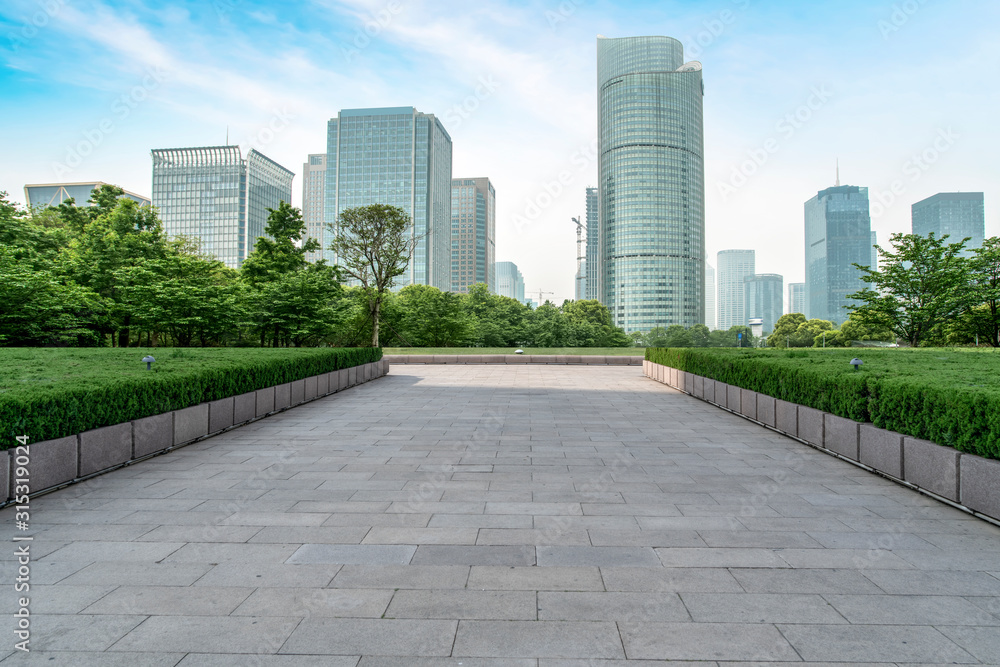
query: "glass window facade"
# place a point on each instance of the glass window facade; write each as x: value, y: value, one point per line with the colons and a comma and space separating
x: 473, y: 233
x: 764, y: 298
x: 651, y: 205
x: 838, y: 235
x: 957, y: 214
x: 735, y: 266
x: 399, y: 157
x: 313, y: 186
x: 797, y: 298
x: 510, y: 282
x: 214, y: 195
x: 53, y: 194
x: 592, y: 273
x: 710, y: 311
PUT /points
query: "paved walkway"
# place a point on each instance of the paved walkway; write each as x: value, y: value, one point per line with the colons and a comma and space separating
x: 503, y: 515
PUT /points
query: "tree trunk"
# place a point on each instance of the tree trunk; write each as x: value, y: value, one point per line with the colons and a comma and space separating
x: 375, y: 315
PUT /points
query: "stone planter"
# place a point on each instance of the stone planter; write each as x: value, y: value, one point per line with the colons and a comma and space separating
x: 933, y: 467
x: 841, y: 435
x: 882, y: 450
x: 104, y: 448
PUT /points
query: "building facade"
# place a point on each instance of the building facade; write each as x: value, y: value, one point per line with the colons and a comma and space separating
x: 313, y: 186
x: 652, y: 183
x: 764, y: 299
x: 510, y: 282
x: 733, y: 268
x: 473, y: 233
x: 957, y: 214
x: 43, y: 195
x: 710, y: 309
x: 399, y: 157
x: 838, y: 235
x: 796, y: 298
x: 217, y: 196
x: 593, y: 260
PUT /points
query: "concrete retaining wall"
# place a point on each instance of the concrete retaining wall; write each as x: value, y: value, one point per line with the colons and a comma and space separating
x: 67, y: 460
x: 585, y: 359
x: 965, y: 479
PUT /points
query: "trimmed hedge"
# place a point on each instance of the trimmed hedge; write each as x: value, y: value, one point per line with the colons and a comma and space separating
x: 44, y: 404
x: 951, y: 397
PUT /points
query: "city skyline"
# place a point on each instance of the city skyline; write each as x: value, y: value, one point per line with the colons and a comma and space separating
x: 92, y: 89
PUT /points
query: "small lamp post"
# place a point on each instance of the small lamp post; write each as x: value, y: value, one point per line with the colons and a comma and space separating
x: 518, y: 351
x: 149, y: 362
x: 856, y: 363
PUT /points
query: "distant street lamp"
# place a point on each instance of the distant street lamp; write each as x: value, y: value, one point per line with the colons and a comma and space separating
x: 149, y: 362
x: 856, y: 363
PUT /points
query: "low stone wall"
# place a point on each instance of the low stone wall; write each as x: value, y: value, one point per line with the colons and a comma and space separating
x: 585, y: 359
x: 55, y: 463
x: 970, y: 481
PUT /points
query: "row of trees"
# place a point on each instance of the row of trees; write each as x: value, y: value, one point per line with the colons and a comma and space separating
x: 107, y: 275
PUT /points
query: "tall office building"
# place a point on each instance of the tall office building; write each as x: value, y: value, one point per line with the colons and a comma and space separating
x: 710, y: 312
x: 797, y: 298
x: 313, y: 198
x: 764, y: 298
x: 400, y: 157
x: 874, y: 265
x: 473, y: 233
x: 838, y: 235
x: 42, y: 195
x: 734, y: 267
x: 957, y: 214
x: 593, y: 222
x: 652, y: 183
x: 217, y: 196
x: 510, y: 282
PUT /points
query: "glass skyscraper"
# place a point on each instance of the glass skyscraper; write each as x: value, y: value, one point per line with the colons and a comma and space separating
x: 593, y: 260
x: 957, y: 214
x: 764, y: 298
x: 214, y: 195
x: 838, y: 234
x: 313, y: 188
x: 53, y: 194
x: 473, y: 233
x: 400, y: 157
x: 652, y: 183
x: 797, y: 298
x: 510, y: 282
x: 710, y: 312
x: 734, y: 267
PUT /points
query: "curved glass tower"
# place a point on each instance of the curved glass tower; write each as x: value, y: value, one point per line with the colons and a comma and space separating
x: 652, y: 183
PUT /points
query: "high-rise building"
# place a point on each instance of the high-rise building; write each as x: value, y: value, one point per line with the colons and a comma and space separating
x: 399, y: 157
x: 838, y: 235
x: 874, y: 265
x: 217, y: 196
x: 734, y: 267
x: 510, y: 282
x: 313, y: 201
x: 797, y: 298
x: 710, y: 312
x: 764, y: 298
x: 52, y: 194
x: 593, y: 261
x: 652, y: 183
x: 473, y: 233
x: 957, y: 214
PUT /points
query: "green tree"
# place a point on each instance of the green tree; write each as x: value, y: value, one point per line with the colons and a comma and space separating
x: 499, y: 320
x: 921, y: 284
x: 784, y: 329
x: 282, y: 250
x: 374, y: 245
x: 855, y: 330
x: 432, y: 318
x: 984, y: 270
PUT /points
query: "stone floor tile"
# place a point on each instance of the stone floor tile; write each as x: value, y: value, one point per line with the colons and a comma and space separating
x: 476, y: 555
x: 402, y: 576
x: 102, y: 659
x: 596, y: 557
x: 353, y: 554
x: 215, y: 634
x: 759, y: 608
x: 464, y: 605
x: 611, y: 606
x: 670, y: 580
x: 80, y: 632
x: 911, y: 610
x: 874, y: 643
x: 705, y: 641
x: 487, y: 577
x: 541, y: 639
x: 386, y: 637
x: 804, y: 581
x: 323, y: 602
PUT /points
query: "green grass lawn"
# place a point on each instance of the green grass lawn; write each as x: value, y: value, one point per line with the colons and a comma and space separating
x: 601, y: 351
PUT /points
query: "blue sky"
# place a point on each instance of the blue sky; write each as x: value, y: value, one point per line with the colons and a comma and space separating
x: 905, y: 94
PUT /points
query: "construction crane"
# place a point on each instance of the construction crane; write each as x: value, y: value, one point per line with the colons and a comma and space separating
x: 540, y: 293
x: 581, y: 268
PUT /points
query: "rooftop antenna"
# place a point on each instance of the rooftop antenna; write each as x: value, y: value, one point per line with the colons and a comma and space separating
x: 838, y: 172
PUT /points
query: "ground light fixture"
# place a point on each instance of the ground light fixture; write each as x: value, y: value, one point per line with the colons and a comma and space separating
x: 149, y: 362
x: 856, y: 363
x: 518, y: 351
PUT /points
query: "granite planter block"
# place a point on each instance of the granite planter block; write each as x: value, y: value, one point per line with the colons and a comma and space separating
x: 494, y: 359
x: 298, y: 391
x: 190, y: 423
x: 933, y: 467
x: 282, y: 396
x: 156, y: 433
x: 748, y: 403
x: 661, y: 373
x: 786, y: 417
x: 765, y: 410
x: 882, y: 450
x: 244, y: 407
x: 419, y: 359
x: 841, y: 435
x: 343, y: 379
x: 323, y: 383
x: 733, y: 398
x: 593, y: 359
x: 573, y: 359
x: 5, y: 475
x: 352, y: 376
x: 684, y: 381
x: 708, y: 389
x: 265, y: 401
x: 105, y: 447
x: 811, y: 425
x: 981, y: 484
x: 617, y: 360
x: 472, y: 358
x: 698, y: 386
x: 446, y: 359
x: 385, y: 366
x: 221, y: 414
x: 52, y: 462
x: 515, y: 359
x: 311, y: 384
